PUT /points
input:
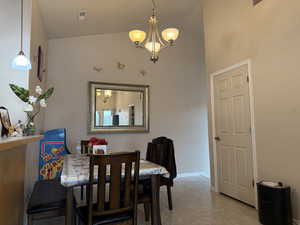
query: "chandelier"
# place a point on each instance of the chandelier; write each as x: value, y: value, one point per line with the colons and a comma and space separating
x: 107, y: 94
x: 154, y: 43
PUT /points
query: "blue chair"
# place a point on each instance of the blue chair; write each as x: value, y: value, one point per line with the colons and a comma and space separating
x: 53, y: 148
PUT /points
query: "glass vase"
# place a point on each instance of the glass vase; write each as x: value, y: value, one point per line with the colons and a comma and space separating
x: 30, y: 128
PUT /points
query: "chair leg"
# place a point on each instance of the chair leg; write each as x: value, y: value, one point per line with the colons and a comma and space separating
x: 76, y: 221
x: 81, y: 192
x: 170, y: 197
x: 147, y: 211
x: 30, y: 220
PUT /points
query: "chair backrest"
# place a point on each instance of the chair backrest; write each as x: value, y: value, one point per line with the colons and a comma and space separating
x: 53, y: 148
x: 123, y: 170
x: 161, y: 151
x: 156, y: 153
x: 85, y: 149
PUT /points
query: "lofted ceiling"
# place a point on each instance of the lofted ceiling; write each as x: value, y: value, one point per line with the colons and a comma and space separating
x: 60, y: 17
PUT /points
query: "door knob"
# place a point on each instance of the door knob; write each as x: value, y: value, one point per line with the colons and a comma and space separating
x: 217, y: 138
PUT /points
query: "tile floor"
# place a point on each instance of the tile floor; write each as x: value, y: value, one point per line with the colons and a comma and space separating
x: 195, y: 204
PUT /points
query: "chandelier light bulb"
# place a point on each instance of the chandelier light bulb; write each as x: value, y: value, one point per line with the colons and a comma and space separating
x: 170, y: 34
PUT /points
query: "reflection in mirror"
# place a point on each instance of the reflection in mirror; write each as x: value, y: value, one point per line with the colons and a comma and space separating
x: 118, y: 108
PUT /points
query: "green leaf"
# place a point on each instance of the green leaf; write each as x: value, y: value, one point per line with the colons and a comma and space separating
x: 46, y: 95
x: 22, y: 93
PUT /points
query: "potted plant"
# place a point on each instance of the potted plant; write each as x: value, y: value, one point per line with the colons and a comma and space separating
x: 33, y: 106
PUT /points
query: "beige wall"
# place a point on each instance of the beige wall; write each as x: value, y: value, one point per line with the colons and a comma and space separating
x: 269, y: 35
x: 177, y: 99
x: 38, y: 38
x: 9, y: 48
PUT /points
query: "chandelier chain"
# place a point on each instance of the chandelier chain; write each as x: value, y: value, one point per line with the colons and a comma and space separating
x: 154, y: 7
x: 154, y: 4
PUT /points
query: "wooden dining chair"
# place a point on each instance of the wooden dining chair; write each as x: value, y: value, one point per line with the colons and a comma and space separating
x: 145, y: 197
x: 121, y: 207
x: 84, y: 149
x: 161, y: 151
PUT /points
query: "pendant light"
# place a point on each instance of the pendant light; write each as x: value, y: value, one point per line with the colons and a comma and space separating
x: 154, y: 43
x: 21, y: 62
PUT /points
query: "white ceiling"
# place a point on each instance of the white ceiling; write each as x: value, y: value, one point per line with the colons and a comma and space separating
x: 112, y: 16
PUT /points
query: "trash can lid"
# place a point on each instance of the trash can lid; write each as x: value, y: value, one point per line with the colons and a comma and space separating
x: 272, y: 184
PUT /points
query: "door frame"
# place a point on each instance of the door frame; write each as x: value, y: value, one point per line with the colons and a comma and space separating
x: 253, y: 137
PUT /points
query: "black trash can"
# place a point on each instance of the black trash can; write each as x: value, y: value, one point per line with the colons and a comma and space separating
x: 274, y: 204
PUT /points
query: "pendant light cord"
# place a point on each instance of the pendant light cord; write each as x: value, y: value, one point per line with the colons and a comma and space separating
x: 22, y: 24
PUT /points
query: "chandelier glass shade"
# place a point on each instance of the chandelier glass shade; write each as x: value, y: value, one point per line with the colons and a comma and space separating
x: 170, y: 34
x: 137, y: 36
x: 21, y: 62
x: 107, y: 93
x: 153, y: 41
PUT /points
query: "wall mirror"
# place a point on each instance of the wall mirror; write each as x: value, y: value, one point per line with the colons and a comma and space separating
x: 118, y: 108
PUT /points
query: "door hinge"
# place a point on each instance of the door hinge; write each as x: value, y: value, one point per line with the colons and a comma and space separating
x: 217, y: 138
x: 248, y: 79
x: 253, y: 183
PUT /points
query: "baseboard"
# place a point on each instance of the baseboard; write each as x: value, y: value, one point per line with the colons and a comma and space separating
x: 203, y: 174
x: 296, y: 222
x: 193, y: 174
x: 183, y: 175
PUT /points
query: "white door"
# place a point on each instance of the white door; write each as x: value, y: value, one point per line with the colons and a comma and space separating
x: 233, y: 134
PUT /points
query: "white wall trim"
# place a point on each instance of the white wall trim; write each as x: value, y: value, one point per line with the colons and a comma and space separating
x: 251, y: 96
x: 253, y: 134
x: 192, y: 174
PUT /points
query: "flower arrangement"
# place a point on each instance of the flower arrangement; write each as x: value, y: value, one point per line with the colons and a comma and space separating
x: 98, y: 146
x: 33, y: 106
x: 97, y: 141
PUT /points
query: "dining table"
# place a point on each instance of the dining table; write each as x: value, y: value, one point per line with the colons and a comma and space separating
x: 75, y: 173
